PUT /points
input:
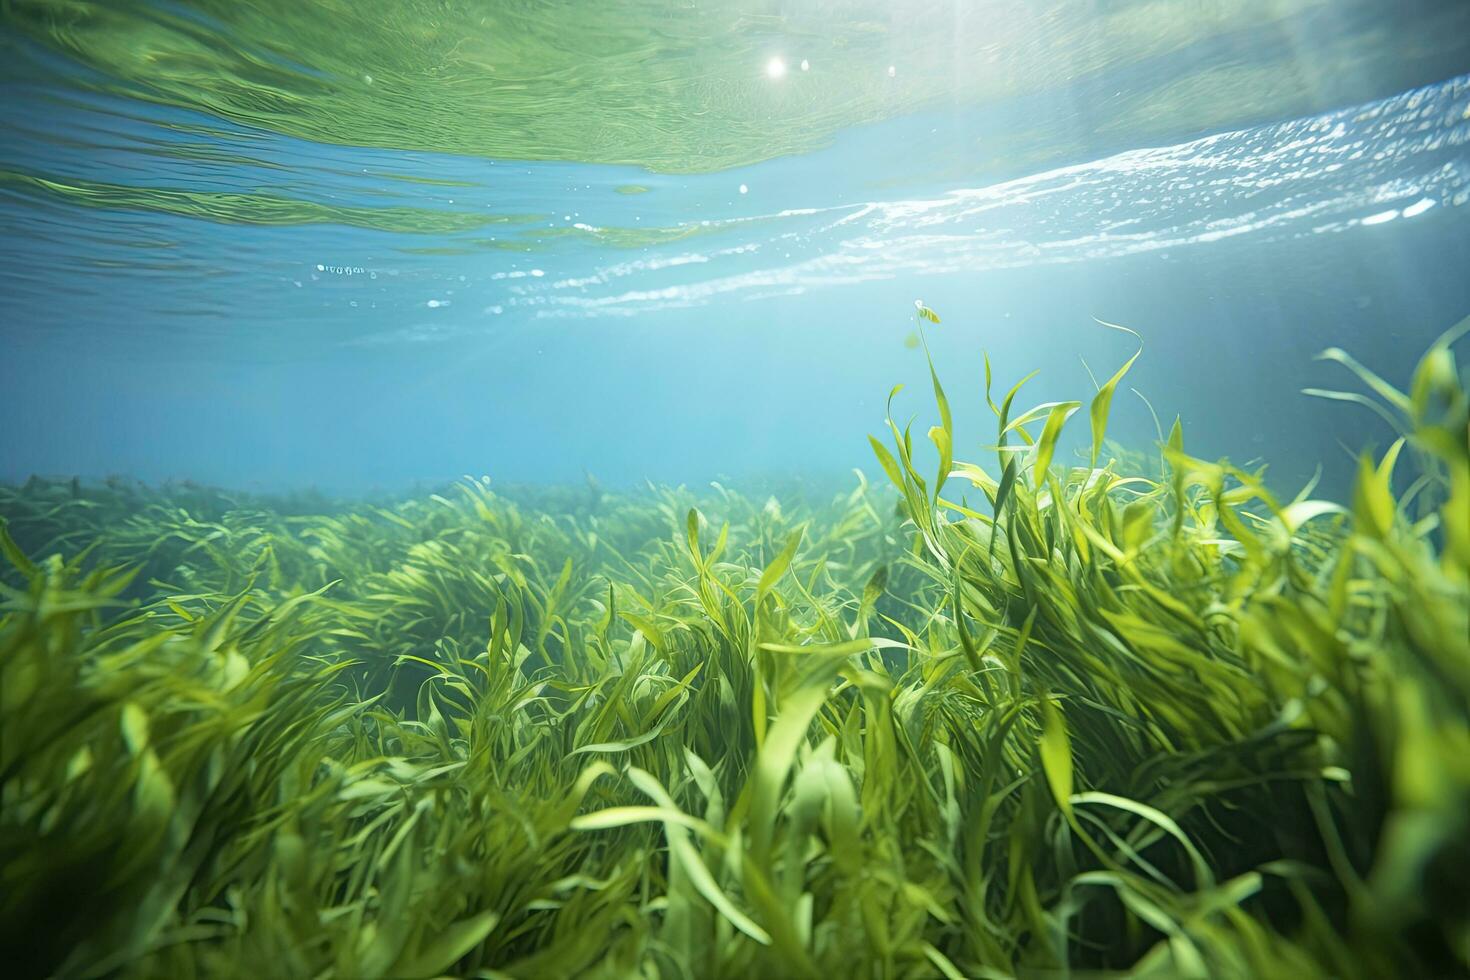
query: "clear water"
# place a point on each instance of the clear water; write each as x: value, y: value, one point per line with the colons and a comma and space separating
x: 1074, y: 710
x: 194, y: 294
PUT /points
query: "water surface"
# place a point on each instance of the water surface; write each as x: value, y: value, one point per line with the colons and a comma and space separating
x: 201, y: 282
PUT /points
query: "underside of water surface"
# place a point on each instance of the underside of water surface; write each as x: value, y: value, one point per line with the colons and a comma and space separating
x: 903, y: 489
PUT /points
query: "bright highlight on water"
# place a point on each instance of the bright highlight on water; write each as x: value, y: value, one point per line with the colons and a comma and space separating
x: 861, y: 488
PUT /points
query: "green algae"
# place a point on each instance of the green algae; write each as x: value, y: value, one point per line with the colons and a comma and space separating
x: 1123, y: 712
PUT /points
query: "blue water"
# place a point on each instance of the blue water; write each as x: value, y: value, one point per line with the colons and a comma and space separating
x: 758, y: 336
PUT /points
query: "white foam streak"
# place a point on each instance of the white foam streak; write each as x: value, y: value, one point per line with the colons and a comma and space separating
x: 1323, y: 175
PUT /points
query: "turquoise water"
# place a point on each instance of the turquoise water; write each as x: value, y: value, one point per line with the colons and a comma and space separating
x: 186, y: 297
x: 564, y: 641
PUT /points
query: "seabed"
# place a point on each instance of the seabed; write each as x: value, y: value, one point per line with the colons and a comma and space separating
x: 1013, y: 717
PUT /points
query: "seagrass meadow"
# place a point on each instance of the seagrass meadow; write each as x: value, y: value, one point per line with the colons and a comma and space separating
x: 1030, y: 715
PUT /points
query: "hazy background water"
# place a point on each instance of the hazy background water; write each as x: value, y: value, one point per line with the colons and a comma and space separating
x: 206, y: 274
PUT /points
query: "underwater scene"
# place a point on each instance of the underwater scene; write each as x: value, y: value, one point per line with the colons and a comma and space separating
x: 735, y: 488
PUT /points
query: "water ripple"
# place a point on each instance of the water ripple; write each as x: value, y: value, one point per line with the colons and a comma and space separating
x: 1324, y: 174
